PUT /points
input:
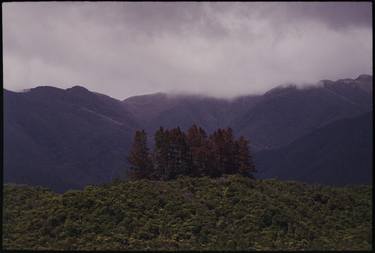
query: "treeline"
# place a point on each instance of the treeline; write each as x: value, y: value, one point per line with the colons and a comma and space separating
x: 190, y: 154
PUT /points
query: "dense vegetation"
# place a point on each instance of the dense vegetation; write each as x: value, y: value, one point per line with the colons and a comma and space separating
x: 194, y: 154
x: 230, y: 212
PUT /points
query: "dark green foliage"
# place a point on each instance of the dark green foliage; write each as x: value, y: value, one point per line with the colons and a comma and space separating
x: 179, y: 154
x: 226, y: 213
x: 172, y: 155
x: 161, y: 154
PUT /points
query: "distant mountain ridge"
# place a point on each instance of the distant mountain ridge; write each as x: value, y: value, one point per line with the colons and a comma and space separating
x: 339, y: 153
x: 69, y: 138
x: 291, y: 110
x: 64, y: 138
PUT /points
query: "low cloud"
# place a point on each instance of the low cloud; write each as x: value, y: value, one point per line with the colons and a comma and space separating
x: 218, y: 49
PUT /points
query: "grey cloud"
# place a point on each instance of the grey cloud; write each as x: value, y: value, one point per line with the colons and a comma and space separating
x: 219, y: 49
x: 336, y: 14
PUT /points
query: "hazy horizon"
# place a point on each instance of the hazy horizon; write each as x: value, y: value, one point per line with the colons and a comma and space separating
x: 176, y: 94
x: 221, y: 50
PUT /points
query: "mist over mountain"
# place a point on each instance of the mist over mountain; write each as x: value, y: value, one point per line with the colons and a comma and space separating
x: 187, y: 126
x: 271, y: 120
x: 69, y: 138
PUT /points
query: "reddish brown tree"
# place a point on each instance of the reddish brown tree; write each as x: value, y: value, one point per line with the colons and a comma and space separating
x: 197, y: 141
x: 191, y: 154
x: 244, y: 160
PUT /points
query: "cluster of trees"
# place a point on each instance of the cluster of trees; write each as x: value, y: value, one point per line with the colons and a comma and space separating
x: 194, y: 153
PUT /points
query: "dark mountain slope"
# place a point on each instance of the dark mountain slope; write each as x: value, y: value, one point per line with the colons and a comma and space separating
x: 285, y: 114
x: 339, y: 153
x: 64, y: 138
x: 272, y: 120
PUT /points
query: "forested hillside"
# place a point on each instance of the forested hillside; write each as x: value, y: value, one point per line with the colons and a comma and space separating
x: 227, y: 213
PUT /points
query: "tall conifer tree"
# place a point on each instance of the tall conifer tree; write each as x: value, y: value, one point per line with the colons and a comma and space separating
x: 180, y: 158
x: 197, y: 141
x: 161, y: 153
x: 229, y: 152
x: 216, y: 147
x: 139, y: 157
x: 244, y: 159
x: 192, y: 154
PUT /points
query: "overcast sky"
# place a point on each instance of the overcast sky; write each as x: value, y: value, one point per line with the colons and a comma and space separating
x: 220, y: 49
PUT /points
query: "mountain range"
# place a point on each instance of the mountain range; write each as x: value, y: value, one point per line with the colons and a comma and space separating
x: 69, y: 138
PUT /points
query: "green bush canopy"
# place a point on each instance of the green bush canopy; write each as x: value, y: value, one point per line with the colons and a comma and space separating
x: 227, y: 213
